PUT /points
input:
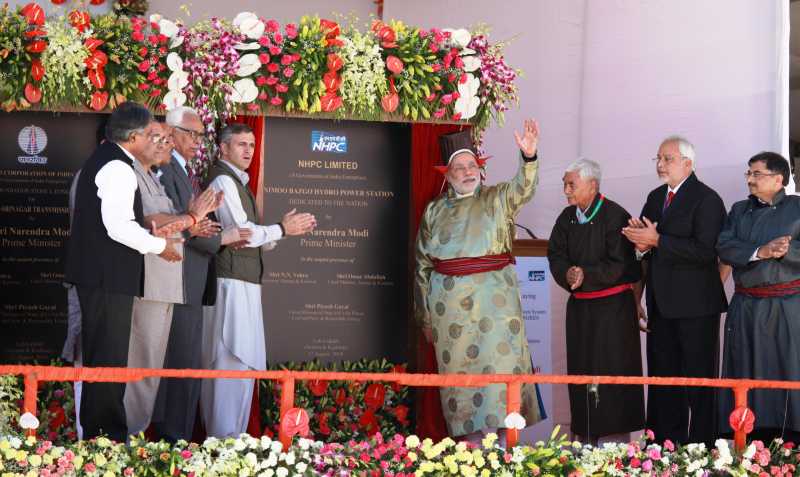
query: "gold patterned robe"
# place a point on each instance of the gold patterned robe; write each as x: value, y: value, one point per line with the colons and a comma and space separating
x: 476, y: 319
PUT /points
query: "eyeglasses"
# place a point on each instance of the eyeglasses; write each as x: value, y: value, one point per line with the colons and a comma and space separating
x: 194, y: 135
x: 758, y: 174
x: 463, y: 169
x: 159, y: 139
x: 666, y: 159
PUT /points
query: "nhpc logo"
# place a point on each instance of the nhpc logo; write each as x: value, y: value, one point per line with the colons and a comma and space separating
x: 32, y: 140
x: 322, y: 141
x: 536, y: 275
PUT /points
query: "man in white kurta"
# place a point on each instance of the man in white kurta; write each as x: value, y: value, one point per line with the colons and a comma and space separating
x: 233, y: 329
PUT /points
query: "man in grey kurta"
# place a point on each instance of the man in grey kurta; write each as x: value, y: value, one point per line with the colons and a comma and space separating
x: 760, y: 241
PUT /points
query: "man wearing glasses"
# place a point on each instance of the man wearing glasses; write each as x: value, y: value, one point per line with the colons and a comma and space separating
x: 675, y: 237
x: 109, y: 238
x: 759, y: 240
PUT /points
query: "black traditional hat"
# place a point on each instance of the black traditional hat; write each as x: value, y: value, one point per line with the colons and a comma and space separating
x: 454, y: 144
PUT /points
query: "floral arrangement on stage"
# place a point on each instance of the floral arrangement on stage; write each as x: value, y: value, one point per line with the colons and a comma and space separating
x: 340, y: 411
x: 398, y: 456
x: 251, y: 64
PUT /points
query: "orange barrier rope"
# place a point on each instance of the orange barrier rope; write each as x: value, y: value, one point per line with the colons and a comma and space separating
x: 34, y: 374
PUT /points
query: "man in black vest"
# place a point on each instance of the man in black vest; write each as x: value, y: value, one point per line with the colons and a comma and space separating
x: 233, y: 330
x: 176, y: 405
x: 105, y: 258
x: 676, y: 236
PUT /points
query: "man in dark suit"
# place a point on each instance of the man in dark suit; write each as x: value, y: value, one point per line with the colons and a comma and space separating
x: 176, y: 403
x: 676, y: 238
x: 105, y: 258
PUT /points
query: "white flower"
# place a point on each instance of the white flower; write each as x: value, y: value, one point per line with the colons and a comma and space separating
x: 460, y: 37
x: 301, y: 467
x: 412, y: 442
x: 177, y: 41
x: 251, y: 459
x: 248, y: 64
x: 749, y: 452
x: 253, y: 45
x: 239, y: 445
x: 155, y: 18
x: 174, y: 99
x: 252, y: 28
x: 28, y: 421
x: 276, y: 445
x: 266, y: 442
x: 304, y: 444
x: 471, y: 63
x: 178, y: 80
x: 167, y: 28
x: 244, y: 91
x: 271, y: 461
x: 467, y: 106
x: 514, y: 420
x: 244, y: 16
x: 290, y: 458
x: 282, y: 472
x: 174, y: 62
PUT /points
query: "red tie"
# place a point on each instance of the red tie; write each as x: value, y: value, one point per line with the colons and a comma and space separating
x: 670, y: 195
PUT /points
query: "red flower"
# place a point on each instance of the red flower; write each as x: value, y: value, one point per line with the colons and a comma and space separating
x: 291, y: 30
x: 37, y: 70
x: 144, y: 66
x: 401, y: 413
x: 375, y: 395
x: 742, y: 419
x: 272, y: 80
x: 286, y: 60
x: 99, y: 100
x: 58, y: 2
x: 59, y: 418
x: 332, y: 81
x: 341, y: 395
x: 79, y: 20
x: 387, y: 37
x: 329, y: 28
x: 97, y: 2
x: 331, y: 102
x: 335, y: 62
x: 273, y: 67
x: 92, y: 44
x: 261, y: 81
x: 37, y: 46
x: 96, y: 61
x: 137, y: 36
x: 274, y: 50
x: 318, y: 387
x: 394, y: 64
x: 144, y: 86
x: 33, y: 13
x: 153, y: 39
x: 276, y: 101
x: 97, y: 77
x: 154, y: 93
x: 35, y: 33
x: 295, y: 421
x: 281, y: 88
x: 32, y: 93
x: 369, y: 422
x: 263, y: 58
x: 324, y: 429
x: 391, y: 101
x: 288, y: 72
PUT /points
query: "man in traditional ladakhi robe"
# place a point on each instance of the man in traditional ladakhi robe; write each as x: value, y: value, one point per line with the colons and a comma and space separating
x: 593, y: 261
x: 466, y: 291
x: 233, y: 330
x: 760, y: 240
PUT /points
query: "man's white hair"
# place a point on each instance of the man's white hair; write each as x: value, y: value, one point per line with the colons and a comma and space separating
x: 175, y: 116
x: 587, y: 169
x: 685, y: 147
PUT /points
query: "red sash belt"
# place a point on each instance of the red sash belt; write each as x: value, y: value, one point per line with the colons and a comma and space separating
x: 770, y: 291
x: 603, y: 293
x: 471, y: 265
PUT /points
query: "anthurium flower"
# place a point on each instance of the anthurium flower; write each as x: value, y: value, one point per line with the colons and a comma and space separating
x: 37, y: 70
x: 37, y: 46
x: 33, y: 13
x: 394, y: 64
x: 99, y: 100
x: 177, y: 80
x: 244, y: 91
x: 167, y: 28
x: 248, y: 64
x: 174, y: 99
x: 242, y: 16
x: 174, y: 62
x: 97, y: 78
x: 252, y: 27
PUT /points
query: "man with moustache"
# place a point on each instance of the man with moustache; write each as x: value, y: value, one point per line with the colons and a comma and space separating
x: 676, y: 237
x: 466, y: 294
x: 592, y: 261
x: 176, y: 405
x: 760, y: 241
x: 105, y: 258
x: 233, y: 330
